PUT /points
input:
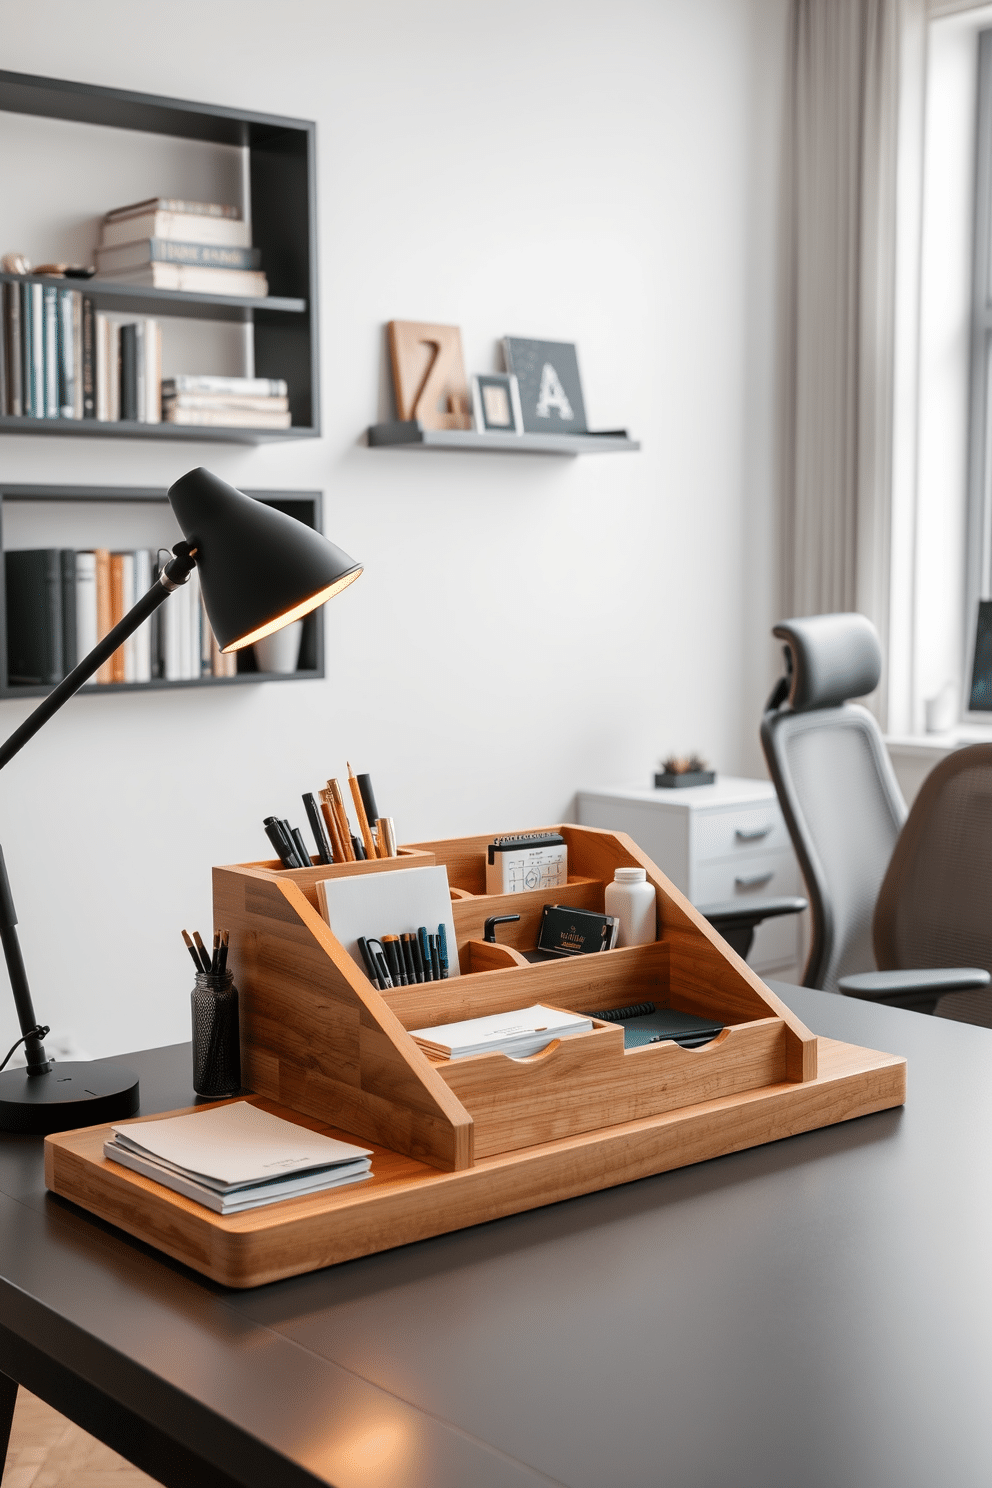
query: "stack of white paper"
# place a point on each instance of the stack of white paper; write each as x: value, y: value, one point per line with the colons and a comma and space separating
x: 236, y: 1157
x: 522, y: 1032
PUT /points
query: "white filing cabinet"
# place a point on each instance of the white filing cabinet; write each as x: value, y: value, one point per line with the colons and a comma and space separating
x: 715, y: 842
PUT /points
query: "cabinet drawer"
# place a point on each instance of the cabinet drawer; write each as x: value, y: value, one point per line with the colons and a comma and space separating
x: 725, y: 834
x: 759, y: 876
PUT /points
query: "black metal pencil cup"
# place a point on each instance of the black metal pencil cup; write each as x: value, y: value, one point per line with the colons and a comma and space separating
x: 216, y: 1035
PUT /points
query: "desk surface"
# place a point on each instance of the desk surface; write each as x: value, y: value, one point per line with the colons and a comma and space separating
x: 815, y: 1312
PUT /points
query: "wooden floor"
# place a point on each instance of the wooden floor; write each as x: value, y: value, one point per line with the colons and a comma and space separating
x: 47, y: 1451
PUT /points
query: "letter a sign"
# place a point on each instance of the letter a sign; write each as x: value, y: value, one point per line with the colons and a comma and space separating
x: 552, y: 395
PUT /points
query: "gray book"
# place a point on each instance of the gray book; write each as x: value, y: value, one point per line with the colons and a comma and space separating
x: 547, y: 374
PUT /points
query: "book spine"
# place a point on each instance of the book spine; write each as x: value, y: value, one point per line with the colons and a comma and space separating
x: 104, y: 608
x: 33, y: 381
x: 153, y: 372
x: 260, y: 387
x: 34, y: 616
x: 86, y: 621
x: 50, y: 353
x: 128, y: 598
x: 4, y: 360
x: 140, y: 369
x: 129, y: 373
x: 89, y: 359
x: 118, y: 609
x: 15, y: 354
x: 66, y: 355
x: 114, y: 365
x: 142, y: 637
x: 207, y: 255
x: 77, y: 354
x: 70, y: 650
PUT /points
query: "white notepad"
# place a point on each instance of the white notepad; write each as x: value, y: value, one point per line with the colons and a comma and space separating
x: 519, y: 1033
x: 236, y: 1157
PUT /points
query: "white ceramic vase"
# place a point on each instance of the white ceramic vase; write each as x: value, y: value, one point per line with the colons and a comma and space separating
x: 280, y: 651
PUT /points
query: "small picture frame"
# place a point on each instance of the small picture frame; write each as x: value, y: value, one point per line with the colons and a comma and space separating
x: 496, y: 403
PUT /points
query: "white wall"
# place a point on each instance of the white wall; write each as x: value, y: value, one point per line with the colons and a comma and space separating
x: 599, y: 172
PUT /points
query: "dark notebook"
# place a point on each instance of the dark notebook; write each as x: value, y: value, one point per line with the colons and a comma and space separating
x: 645, y: 1023
x: 35, y: 640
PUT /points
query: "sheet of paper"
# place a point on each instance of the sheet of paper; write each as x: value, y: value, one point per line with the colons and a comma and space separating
x: 390, y: 903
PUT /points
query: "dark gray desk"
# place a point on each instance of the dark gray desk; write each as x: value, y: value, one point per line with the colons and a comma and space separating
x: 817, y: 1312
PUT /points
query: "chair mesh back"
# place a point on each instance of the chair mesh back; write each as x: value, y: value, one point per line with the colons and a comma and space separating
x: 935, y: 905
x: 844, y: 812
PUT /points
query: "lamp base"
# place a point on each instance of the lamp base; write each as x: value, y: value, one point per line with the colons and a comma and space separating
x: 76, y: 1094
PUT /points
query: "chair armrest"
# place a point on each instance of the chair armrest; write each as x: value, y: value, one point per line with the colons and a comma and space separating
x: 750, y: 911
x: 918, y: 989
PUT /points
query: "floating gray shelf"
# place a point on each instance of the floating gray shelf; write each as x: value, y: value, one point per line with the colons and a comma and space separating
x: 412, y: 436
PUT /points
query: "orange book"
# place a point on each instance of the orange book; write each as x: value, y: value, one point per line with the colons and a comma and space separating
x: 104, y: 623
x: 118, y: 609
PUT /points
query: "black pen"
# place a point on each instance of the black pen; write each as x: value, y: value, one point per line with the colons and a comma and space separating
x: 425, y: 951
x: 442, y: 950
x: 418, y: 959
x: 385, y: 979
x: 368, y: 798
x: 358, y: 848
x: 391, y: 947
x: 297, y: 861
x: 317, y: 828
x: 225, y: 941
x: 408, y: 965
x: 435, y: 958
x: 275, y: 834
x: 301, y: 848
x: 367, y: 957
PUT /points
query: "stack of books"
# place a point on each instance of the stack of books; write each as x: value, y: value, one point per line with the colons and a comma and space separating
x: 61, y: 602
x: 235, y: 1157
x: 244, y: 402
x: 198, y: 247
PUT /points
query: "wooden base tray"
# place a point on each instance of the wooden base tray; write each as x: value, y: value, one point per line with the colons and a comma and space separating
x: 408, y: 1200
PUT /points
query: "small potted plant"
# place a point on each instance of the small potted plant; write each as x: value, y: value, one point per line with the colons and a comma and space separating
x: 681, y: 770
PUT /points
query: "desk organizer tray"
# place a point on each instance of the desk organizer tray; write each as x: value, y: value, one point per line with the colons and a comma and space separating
x: 461, y: 1142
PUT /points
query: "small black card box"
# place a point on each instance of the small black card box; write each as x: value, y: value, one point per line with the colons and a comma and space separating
x: 576, y: 932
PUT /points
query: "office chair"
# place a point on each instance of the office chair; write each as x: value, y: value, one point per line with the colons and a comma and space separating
x: 844, y: 810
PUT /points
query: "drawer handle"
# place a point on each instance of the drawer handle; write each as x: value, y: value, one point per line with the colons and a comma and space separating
x: 753, y: 836
x: 753, y: 880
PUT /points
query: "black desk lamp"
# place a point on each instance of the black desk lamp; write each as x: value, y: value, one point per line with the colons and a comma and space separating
x: 259, y: 570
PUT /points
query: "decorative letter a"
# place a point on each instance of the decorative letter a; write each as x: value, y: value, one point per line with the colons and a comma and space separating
x: 552, y: 395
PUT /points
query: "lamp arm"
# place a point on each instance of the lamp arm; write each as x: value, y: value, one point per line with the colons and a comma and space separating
x: 172, y: 576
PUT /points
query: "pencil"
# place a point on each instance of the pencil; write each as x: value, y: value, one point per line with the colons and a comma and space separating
x: 344, y: 826
x: 363, y: 821
x: 331, y: 822
x: 204, y: 957
x: 193, y: 951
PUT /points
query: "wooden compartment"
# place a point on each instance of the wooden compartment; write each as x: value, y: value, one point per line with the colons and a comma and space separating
x: 463, y: 1141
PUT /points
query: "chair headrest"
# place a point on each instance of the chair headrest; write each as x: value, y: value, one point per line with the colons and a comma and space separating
x: 834, y: 657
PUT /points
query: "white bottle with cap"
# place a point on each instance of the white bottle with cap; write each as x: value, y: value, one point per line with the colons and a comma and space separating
x: 632, y: 899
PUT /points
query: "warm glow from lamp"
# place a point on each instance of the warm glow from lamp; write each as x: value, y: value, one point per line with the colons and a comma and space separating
x: 296, y: 613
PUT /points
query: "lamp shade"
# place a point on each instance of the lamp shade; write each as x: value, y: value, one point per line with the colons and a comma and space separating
x: 259, y: 568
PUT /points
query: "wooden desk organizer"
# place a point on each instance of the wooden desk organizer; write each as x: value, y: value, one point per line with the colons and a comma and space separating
x: 462, y: 1141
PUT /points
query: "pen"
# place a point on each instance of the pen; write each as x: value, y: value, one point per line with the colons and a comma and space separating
x: 442, y: 950
x: 390, y: 946
x: 408, y: 962
x: 435, y: 958
x: 425, y: 951
x: 369, y: 959
x: 224, y: 942
x: 275, y: 834
x: 301, y: 848
x: 385, y: 980
x: 193, y: 951
x: 324, y: 852
x: 418, y: 959
x: 204, y: 958
x: 358, y: 850
x: 287, y: 829
x: 363, y: 821
x: 368, y: 797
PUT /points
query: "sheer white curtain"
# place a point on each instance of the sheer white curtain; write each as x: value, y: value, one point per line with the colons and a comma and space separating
x: 840, y: 309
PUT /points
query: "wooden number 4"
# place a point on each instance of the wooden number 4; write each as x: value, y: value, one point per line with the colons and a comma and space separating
x: 429, y: 374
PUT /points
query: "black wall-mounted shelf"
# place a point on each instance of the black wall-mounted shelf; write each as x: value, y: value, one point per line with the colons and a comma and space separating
x: 304, y: 506
x: 282, y: 172
x: 412, y: 435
